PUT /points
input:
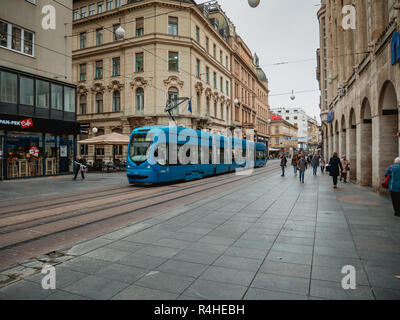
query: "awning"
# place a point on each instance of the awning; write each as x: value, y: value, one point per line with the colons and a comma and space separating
x: 274, y: 149
x: 112, y: 139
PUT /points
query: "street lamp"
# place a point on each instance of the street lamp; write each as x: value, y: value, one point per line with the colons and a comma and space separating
x: 120, y: 32
x: 95, y: 130
x: 254, y: 3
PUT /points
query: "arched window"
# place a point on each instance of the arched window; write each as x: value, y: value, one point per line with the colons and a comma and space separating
x: 82, y: 104
x: 173, y: 95
x: 116, y: 102
x: 139, y: 104
x: 99, y: 103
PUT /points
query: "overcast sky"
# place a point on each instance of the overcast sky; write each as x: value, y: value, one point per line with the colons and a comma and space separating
x: 280, y: 31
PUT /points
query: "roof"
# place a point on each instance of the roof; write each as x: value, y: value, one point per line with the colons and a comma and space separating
x: 261, y: 75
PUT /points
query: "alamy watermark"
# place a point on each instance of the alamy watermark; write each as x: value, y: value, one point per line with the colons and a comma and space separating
x: 49, y: 280
x: 49, y: 19
x: 349, y: 280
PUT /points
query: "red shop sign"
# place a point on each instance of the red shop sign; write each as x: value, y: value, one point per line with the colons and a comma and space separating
x: 27, y: 123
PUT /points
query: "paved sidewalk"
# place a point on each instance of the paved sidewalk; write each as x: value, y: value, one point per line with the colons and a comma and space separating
x: 58, y: 185
x: 272, y: 239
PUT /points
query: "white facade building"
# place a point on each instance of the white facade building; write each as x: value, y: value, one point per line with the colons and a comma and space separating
x: 297, y: 117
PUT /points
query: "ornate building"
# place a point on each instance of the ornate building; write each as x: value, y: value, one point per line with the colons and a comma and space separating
x: 170, y: 49
x: 359, y: 75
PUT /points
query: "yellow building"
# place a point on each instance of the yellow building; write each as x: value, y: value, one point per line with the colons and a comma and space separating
x: 283, y: 136
x: 169, y: 50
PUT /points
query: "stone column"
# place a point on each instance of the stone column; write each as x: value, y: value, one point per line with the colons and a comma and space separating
x: 351, y: 136
x: 365, y: 154
x: 349, y: 48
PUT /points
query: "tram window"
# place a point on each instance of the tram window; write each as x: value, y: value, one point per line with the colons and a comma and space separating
x: 221, y: 155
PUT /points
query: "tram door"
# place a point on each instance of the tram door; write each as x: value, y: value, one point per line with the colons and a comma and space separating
x: 1, y: 157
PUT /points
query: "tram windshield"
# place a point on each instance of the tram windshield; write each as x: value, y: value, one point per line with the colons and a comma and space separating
x: 139, y: 146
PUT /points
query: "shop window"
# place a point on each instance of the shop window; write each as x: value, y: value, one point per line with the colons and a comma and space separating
x: 42, y: 94
x: 56, y: 97
x: 139, y: 101
x: 26, y: 94
x: 99, y: 151
x: 116, y: 103
x: 24, y: 155
x: 84, y: 149
x: 65, y: 154
x: 69, y: 99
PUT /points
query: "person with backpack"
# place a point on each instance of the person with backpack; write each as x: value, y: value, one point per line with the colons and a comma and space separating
x: 335, y: 168
x: 283, y: 164
x: 392, y: 183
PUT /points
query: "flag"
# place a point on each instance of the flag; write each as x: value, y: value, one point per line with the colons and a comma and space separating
x: 190, y: 106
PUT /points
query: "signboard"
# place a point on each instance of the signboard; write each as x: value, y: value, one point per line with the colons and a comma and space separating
x: 276, y: 117
x: 395, y: 48
x: 63, y: 151
x: 34, y: 151
x: 23, y: 124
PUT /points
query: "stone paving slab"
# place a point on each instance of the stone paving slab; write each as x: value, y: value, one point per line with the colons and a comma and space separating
x: 270, y: 239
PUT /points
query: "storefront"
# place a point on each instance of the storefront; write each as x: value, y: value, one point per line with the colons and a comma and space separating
x: 33, y: 147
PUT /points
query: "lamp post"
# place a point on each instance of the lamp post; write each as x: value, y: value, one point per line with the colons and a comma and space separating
x: 254, y: 3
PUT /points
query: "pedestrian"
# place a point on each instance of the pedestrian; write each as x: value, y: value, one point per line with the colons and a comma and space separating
x: 283, y: 164
x: 302, y: 167
x: 346, y: 169
x: 315, y: 163
x: 322, y: 164
x: 336, y: 168
x: 80, y: 165
x: 294, y: 163
x: 394, y: 185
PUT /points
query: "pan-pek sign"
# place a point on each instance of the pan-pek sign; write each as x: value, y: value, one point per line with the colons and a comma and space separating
x: 23, y: 124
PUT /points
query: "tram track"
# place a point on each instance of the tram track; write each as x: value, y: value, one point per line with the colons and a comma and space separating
x: 105, y: 218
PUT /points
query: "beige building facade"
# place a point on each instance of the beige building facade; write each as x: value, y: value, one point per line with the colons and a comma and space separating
x: 283, y: 136
x: 170, y: 49
x: 359, y: 74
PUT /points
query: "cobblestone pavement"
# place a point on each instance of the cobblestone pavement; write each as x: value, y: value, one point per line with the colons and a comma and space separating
x: 273, y: 238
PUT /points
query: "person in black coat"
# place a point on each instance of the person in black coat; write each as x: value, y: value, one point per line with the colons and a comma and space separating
x: 336, y: 168
x: 283, y: 164
x: 80, y: 165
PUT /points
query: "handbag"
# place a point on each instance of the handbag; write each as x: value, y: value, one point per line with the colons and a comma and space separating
x: 328, y: 168
x: 385, y: 184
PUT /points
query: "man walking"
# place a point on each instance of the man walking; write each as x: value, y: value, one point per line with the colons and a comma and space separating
x: 80, y: 165
x: 294, y: 163
x: 283, y: 164
x: 315, y: 163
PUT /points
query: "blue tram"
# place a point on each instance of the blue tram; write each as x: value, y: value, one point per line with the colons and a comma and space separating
x: 159, y: 154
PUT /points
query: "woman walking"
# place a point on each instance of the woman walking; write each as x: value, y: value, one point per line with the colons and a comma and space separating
x: 294, y: 164
x: 335, y: 170
x: 394, y: 185
x: 302, y: 165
